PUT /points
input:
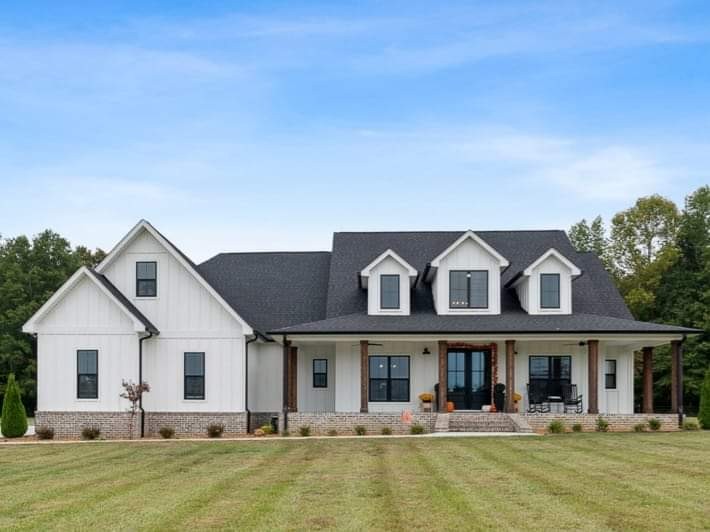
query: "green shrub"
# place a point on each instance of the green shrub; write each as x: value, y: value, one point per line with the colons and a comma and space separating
x: 167, y: 432
x: 602, y: 425
x: 14, y: 418
x: 417, y: 429
x: 640, y: 427
x: 332, y: 432
x: 689, y: 424
x: 304, y: 431
x: 285, y: 433
x: 577, y: 427
x: 267, y: 428
x: 386, y: 431
x: 556, y: 427
x: 704, y: 412
x: 44, y: 433
x: 215, y: 430
x: 654, y: 423
x: 360, y: 430
x: 90, y: 433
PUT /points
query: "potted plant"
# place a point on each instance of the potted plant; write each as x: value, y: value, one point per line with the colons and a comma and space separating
x: 426, y: 398
x: 516, y: 399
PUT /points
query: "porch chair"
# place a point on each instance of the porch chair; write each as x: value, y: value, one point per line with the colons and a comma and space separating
x: 536, y: 400
x: 572, y: 401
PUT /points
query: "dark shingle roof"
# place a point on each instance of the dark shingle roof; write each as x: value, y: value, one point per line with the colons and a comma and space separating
x: 271, y: 290
x: 125, y: 302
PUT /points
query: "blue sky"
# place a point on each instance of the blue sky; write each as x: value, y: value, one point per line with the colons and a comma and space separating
x: 251, y: 126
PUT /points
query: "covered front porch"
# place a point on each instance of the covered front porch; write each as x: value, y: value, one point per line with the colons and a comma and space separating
x: 527, y: 374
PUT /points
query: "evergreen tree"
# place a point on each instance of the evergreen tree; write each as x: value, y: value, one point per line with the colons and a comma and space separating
x: 14, y: 418
x: 704, y: 412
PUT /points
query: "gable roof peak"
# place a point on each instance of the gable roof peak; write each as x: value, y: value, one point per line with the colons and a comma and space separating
x: 552, y: 252
x: 470, y: 235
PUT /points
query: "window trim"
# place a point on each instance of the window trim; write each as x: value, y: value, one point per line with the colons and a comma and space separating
x: 559, y: 291
x: 78, y: 375
x: 185, y: 376
x: 468, y: 290
x: 324, y: 373
x: 614, y: 374
x: 399, y: 290
x: 155, y: 279
x: 389, y: 379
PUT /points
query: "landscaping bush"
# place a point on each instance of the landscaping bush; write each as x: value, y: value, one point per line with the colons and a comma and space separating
x: 215, y: 430
x: 386, y: 431
x: 90, y: 433
x: 689, y: 424
x: 602, y: 425
x: 577, y: 427
x: 304, y: 431
x: 640, y: 427
x: 417, y: 429
x: 556, y: 427
x: 654, y: 423
x: 360, y: 430
x: 704, y: 412
x: 167, y: 432
x: 332, y: 432
x: 44, y: 433
x: 14, y: 418
x: 259, y: 433
x: 267, y: 428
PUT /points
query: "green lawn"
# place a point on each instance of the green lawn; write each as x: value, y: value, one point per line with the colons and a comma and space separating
x: 592, y: 481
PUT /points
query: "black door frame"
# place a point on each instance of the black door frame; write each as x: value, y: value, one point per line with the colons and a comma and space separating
x: 468, y: 395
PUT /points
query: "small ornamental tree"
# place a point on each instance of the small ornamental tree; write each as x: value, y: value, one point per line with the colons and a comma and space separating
x: 704, y: 412
x: 14, y: 418
x: 134, y: 392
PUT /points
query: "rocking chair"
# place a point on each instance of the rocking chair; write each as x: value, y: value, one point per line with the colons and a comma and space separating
x: 572, y: 401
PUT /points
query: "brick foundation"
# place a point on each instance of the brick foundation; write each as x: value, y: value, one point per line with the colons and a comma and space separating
x: 617, y: 422
x: 261, y: 418
x: 194, y: 423
x: 345, y: 422
x: 68, y: 425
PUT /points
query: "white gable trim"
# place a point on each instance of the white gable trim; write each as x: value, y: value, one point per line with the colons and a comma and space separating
x: 502, y: 261
x: 31, y: 325
x: 365, y: 273
x: 552, y: 252
x: 144, y: 224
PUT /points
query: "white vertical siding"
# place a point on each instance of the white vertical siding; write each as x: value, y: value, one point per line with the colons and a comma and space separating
x: 312, y: 399
x: 265, y: 376
x: 549, y: 265
x: 347, y: 377
x: 386, y: 267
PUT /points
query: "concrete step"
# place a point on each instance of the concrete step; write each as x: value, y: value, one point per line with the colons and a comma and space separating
x: 442, y: 423
x: 481, y: 422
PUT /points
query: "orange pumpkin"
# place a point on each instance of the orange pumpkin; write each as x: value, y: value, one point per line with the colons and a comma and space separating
x: 450, y: 406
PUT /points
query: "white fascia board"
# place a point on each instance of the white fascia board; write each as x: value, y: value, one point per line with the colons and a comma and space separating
x: 144, y: 224
x: 365, y: 272
x: 552, y: 252
x: 502, y: 261
x: 30, y: 325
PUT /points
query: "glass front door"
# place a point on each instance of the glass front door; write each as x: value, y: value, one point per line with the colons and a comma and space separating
x: 469, y: 379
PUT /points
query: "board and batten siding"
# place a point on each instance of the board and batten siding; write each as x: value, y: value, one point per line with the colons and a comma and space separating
x: 549, y: 265
x: 388, y: 266
x: 265, y: 376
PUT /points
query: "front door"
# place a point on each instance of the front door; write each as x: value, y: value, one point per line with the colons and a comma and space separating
x: 469, y: 379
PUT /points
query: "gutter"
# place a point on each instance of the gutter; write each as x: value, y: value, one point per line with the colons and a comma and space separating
x: 140, y: 378
x: 246, y: 379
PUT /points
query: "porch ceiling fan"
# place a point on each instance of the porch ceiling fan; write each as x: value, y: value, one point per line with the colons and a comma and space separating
x: 579, y: 344
x: 368, y: 343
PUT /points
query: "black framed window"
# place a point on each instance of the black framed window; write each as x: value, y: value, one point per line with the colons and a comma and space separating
x: 389, y: 291
x: 194, y: 376
x: 550, y: 290
x: 320, y: 372
x: 389, y: 378
x: 610, y: 374
x: 468, y: 289
x: 549, y: 373
x: 87, y: 374
x: 146, y: 279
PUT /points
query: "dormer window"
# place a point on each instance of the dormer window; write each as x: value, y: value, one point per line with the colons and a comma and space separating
x: 389, y: 292
x: 550, y: 290
x: 468, y: 289
x: 146, y: 279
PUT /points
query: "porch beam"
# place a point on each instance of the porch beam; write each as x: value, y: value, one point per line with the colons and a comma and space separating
x: 593, y: 375
x: 364, y: 377
x: 509, y: 375
x: 443, y: 375
x: 647, y: 380
x: 676, y: 382
x: 293, y: 379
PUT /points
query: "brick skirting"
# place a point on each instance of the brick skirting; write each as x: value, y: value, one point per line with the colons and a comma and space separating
x: 195, y: 423
x: 259, y: 419
x: 68, y: 425
x: 345, y: 422
x: 617, y: 422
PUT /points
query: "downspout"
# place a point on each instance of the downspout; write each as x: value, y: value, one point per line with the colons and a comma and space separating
x: 140, y: 378
x: 246, y: 380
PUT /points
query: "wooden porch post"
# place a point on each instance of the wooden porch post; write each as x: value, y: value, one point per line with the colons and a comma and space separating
x: 593, y: 375
x: 293, y: 379
x: 443, y: 375
x: 364, y: 378
x: 509, y: 375
x: 676, y: 385
x: 284, y: 389
x: 647, y: 380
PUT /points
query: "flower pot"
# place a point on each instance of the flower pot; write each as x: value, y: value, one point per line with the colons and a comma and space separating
x: 426, y: 407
